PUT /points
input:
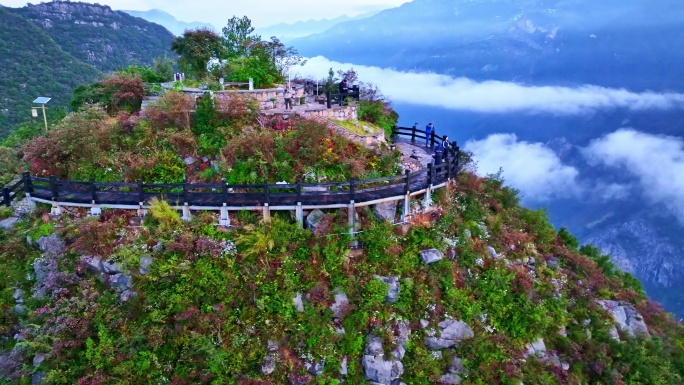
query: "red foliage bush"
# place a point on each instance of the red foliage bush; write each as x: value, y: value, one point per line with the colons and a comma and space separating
x: 172, y: 110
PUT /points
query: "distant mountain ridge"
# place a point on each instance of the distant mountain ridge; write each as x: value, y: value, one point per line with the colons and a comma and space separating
x: 533, y: 40
x: 33, y: 65
x: 169, y: 22
x: 288, y: 31
x: 100, y: 36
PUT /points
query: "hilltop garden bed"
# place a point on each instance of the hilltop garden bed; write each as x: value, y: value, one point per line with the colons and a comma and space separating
x: 225, y: 138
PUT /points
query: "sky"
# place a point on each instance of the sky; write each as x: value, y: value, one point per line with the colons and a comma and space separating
x: 263, y: 13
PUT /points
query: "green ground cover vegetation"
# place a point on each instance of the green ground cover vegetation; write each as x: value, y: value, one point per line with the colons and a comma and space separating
x: 214, y: 297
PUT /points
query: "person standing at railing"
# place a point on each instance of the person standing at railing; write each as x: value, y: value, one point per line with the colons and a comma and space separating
x: 429, y: 129
x: 288, y: 97
x: 445, y: 143
x: 344, y: 89
x: 439, y: 153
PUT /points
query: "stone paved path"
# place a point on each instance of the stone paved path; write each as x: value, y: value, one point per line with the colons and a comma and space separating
x: 414, y: 155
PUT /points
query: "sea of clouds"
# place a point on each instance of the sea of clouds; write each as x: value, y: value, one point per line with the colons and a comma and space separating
x: 653, y: 164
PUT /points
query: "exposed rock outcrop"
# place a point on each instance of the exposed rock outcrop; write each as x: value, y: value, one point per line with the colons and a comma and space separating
x: 451, y: 333
x: 393, y: 288
x: 627, y: 318
x: 431, y: 256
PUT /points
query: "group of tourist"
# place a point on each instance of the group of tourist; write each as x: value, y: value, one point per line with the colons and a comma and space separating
x: 441, y: 147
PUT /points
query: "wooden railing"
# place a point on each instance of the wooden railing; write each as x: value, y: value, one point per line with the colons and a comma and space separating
x: 339, y: 98
x: 12, y: 192
x: 235, y: 196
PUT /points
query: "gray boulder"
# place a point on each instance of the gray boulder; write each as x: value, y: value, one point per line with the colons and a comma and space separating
x: 111, y: 268
x: 41, y: 268
x: 9, y: 223
x: 340, y: 305
x: 269, y: 364
x: 145, y: 263
x: 493, y: 253
x: 376, y: 367
x: 385, y: 211
x: 552, y: 263
x: 315, y: 368
x: 38, y: 359
x: 393, y: 289
x: 122, y: 282
x: 451, y: 334
x: 189, y: 160
x: 431, y: 256
x: 451, y: 379
x: 314, y: 220
x: 92, y: 264
x: 37, y: 378
x: 536, y: 348
x: 298, y: 302
x: 626, y: 317
x: 343, y: 367
x: 51, y: 244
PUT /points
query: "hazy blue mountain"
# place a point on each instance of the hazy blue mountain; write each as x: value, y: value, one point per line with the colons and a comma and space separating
x: 573, y: 41
x: 169, y: 22
x: 288, y: 31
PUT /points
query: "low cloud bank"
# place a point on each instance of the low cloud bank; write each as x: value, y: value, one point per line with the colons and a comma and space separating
x: 432, y: 89
x: 532, y: 168
x: 655, y: 161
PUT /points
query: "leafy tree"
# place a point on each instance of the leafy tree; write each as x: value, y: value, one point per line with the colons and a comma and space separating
x: 121, y: 91
x: 257, y: 66
x: 283, y: 57
x: 163, y: 67
x: 89, y: 94
x: 147, y: 74
x: 569, y: 239
x: 126, y: 90
x: 351, y: 75
x: 196, y: 48
x: 330, y: 83
x: 10, y: 165
x: 238, y: 38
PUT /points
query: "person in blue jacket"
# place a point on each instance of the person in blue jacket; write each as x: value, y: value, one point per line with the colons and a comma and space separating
x: 428, y: 134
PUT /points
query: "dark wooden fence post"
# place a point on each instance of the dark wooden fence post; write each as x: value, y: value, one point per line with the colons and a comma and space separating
x: 224, y: 191
x: 141, y: 194
x: 6, y: 196
x: 413, y: 133
x: 328, y: 102
x: 53, y: 187
x: 449, y: 164
x: 266, y: 192
x: 93, y: 190
x: 352, y: 190
x: 431, y: 173
x: 407, y: 186
x: 28, y: 183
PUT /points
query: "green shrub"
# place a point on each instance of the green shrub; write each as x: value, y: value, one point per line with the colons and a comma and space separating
x: 374, y: 293
x: 167, y: 218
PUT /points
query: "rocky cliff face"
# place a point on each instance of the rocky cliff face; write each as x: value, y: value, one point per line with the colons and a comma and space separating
x: 654, y: 258
x: 98, y: 35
